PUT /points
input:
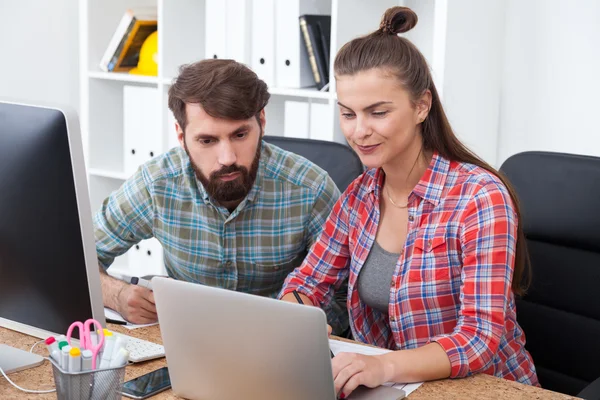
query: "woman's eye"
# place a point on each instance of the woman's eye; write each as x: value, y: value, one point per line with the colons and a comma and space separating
x: 347, y: 115
x: 380, y: 113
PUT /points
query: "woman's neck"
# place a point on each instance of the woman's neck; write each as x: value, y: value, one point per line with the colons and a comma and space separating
x: 404, y: 173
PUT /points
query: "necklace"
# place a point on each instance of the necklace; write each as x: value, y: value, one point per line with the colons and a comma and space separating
x: 395, y: 205
x: 410, y: 172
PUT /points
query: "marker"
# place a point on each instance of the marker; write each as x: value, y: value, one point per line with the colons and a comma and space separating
x: 86, y: 360
x: 64, y: 357
x: 74, y: 360
x: 141, y: 282
x: 109, y: 342
x: 120, y: 359
x: 51, y: 344
x: 56, y: 356
x: 120, y: 343
x: 299, y: 300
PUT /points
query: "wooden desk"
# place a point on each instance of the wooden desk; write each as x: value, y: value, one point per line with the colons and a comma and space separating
x: 39, y: 378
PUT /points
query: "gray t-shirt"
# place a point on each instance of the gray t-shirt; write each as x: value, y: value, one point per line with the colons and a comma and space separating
x: 375, y: 277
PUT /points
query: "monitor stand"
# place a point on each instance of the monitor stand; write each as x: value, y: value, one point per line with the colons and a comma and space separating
x: 13, y: 359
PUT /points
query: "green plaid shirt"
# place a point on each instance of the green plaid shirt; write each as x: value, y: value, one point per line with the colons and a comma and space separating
x: 251, y: 249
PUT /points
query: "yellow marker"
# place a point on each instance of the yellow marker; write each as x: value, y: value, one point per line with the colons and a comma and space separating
x: 74, y: 360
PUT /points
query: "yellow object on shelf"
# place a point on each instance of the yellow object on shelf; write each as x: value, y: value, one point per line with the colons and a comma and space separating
x: 148, y: 62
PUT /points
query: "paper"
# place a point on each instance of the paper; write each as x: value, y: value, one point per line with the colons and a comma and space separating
x: 338, y: 346
x: 108, y: 313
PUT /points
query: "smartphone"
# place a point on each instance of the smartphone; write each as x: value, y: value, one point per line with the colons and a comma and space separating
x: 147, y: 385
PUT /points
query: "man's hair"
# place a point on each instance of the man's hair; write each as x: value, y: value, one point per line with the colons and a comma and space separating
x: 223, y: 88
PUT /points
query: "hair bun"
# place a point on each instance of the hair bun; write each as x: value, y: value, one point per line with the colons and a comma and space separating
x: 398, y: 20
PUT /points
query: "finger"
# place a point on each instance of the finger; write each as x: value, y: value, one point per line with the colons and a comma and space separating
x: 329, y: 330
x: 339, y: 362
x: 345, y: 374
x: 352, y: 384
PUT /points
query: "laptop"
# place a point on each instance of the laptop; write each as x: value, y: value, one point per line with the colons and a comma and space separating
x: 221, y: 344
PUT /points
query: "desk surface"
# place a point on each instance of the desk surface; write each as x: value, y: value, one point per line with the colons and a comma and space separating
x: 40, y: 378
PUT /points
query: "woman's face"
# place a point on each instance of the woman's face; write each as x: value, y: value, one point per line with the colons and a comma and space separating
x: 377, y: 117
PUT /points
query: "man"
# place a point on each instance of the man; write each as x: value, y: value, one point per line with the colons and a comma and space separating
x: 230, y: 210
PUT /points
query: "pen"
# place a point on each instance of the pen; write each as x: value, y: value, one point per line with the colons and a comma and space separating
x: 115, y: 321
x: 299, y: 299
x: 141, y: 282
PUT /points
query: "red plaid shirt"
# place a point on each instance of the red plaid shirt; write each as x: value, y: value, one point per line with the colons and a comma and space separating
x: 452, y: 282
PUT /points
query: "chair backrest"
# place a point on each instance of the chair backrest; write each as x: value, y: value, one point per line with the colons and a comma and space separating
x: 560, y: 315
x: 340, y: 161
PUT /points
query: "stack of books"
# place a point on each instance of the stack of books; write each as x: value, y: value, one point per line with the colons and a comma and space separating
x: 123, y: 51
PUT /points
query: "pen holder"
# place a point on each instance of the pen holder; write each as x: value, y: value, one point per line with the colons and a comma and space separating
x: 102, y: 384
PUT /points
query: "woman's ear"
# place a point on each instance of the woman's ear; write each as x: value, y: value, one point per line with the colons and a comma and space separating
x: 423, y: 105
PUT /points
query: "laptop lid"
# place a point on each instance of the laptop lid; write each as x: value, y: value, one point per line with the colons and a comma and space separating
x: 222, y: 344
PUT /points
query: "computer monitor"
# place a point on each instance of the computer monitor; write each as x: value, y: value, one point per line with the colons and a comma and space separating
x: 49, y: 273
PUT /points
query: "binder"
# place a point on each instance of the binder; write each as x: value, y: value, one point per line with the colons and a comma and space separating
x: 263, y: 40
x: 215, y: 21
x: 238, y: 33
x: 321, y: 116
x: 152, y: 257
x: 142, y: 137
x: 296, y: 119
x: 292, y: 67
x: 316, y: 33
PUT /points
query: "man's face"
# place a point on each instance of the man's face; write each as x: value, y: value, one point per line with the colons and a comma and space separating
x: 225, y: 154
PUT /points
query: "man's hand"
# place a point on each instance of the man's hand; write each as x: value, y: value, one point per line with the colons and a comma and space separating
x: 136, y: 304
x: 351, y: 370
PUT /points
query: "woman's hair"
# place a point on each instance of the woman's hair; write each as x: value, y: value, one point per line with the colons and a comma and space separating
x: 224, y: 88
x: 397, y: 56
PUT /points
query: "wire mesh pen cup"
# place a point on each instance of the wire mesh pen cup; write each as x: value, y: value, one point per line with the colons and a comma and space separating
x: 103, y: 384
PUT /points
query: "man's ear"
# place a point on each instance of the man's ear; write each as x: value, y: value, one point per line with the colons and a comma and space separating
x: 180, y: 134
x: 262, y: 119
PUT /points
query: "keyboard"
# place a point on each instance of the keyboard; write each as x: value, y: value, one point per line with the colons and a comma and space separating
x: 142, y: 350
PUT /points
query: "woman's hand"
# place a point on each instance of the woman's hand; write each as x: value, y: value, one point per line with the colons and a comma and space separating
x: 352, y: 369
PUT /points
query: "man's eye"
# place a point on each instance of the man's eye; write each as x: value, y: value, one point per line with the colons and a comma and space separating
x: 206, y: 141
x: 241, y: 135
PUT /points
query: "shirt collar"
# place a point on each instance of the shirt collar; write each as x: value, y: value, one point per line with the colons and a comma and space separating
x: 431, y: 184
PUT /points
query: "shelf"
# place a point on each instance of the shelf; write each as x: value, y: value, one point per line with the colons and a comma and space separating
x: 123, y: 77
x: 307, y: 93
x: 108, y: 174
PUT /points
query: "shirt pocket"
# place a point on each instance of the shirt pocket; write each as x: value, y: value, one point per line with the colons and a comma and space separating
x: 266, y: 278
x: 430, y: 259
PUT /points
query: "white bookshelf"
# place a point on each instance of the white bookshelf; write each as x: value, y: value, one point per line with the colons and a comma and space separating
x: 181, y: 25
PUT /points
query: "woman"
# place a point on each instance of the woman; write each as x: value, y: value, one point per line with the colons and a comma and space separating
x: 428, y: 236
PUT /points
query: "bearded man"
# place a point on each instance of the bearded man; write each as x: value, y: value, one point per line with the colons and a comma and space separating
x: 230, y: 210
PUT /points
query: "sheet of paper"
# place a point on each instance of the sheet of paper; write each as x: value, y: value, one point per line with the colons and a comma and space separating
x: 108, y: 313
x: 338, y: 346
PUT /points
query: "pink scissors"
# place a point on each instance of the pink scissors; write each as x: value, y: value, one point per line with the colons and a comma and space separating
x: 85, y: 337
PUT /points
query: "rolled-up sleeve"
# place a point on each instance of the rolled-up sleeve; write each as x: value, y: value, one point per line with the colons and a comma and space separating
x: 124, y: 219
x: 325, y: 266
x: 488, y: 240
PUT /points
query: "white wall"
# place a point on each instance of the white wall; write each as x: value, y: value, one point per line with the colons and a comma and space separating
x: 551, y: 84
x: 39, y: 50
x: 475, y: 32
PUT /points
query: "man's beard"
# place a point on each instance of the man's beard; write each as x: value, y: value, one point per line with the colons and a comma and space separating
x: 237, y: 189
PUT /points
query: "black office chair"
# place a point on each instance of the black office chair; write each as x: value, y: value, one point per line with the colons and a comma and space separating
x: 560, y: 200
x: 340, y: 161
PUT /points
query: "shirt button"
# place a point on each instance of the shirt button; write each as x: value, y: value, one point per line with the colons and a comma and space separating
x: 392, y: 318
x: 229, y: 263
x: 276, y: 268
x: 429, y: 243
x: 411, y: 218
